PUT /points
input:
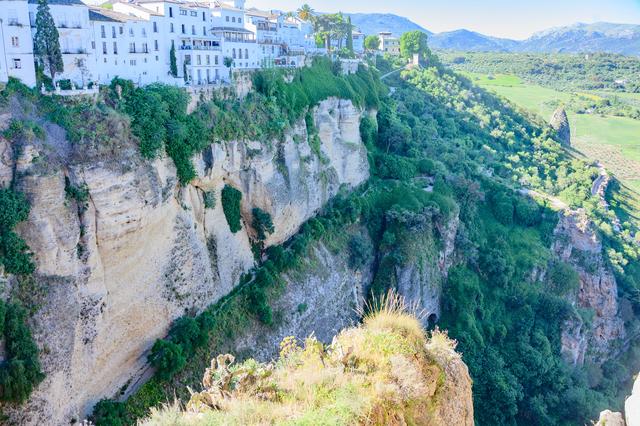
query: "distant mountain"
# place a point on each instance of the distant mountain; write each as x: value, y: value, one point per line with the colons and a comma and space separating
x: 471, y: 41
x: 373, y: 23
x: 598, y: 37
x: 578, y: 38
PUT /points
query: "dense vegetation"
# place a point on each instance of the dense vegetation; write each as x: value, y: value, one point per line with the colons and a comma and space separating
x: 559, y: 71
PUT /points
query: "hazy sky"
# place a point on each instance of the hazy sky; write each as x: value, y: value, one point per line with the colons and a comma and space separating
x: 502, y: 18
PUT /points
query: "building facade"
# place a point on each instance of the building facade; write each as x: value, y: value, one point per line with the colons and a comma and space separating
x: 139, y: 40
x: 389, y: 44
x: 16, y: 43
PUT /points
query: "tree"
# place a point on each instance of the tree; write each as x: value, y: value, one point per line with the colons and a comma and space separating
x: 262, y: 223
x: 167, y: 358
x: 413, y: 42
x: 173, y: 62
x: 372, y: 42
x: 47, y: 41
x: 305, y: 12
x: 349, y: 34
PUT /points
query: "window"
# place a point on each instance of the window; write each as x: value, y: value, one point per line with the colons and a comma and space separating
x: 204, y: 17
x: 130, y: 32
x: 227, y: 19
x: 183, y: 30
x: 155, y: 27
x: 132, y: 48
x: 171, y: 27
x: 104, y: 47
x: 105, y: 60
x: 113, y: 32
x: 216, y: 60
x: 145, y: 48
x: 17, y: 64
x: 183, y: 12
x: 121, y: 30
x: 15, y: 42
x: 102, y: 32
x: 132, y: 62
x: 93, y: 45
x: 234, y: 54
x: 208, y: 60
x: 240, y: 20
x: 144, y: 32
x: 170, y: 12
x: 155, y: 45
x: 246, y: 53
x: 194, y: 13
x: 193, y: 30
x: 204, y: 31
x: 157, y: 58
x: 233, y: 19
x: 115, y: 48
x: 239, y: 53
x: 198, y: 60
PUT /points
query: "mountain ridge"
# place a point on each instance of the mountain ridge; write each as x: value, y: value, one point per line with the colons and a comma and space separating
x: 594, y: 37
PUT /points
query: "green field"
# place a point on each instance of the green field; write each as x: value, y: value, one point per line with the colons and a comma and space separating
x: 614, y: 141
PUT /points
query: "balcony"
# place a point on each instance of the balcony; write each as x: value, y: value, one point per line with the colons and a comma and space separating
x: 13, y: 22
x: 138, y: 50
x: 79, y: 51
x: 199, y: 47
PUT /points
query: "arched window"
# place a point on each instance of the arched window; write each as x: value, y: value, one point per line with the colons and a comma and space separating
x: 240, y: 53
x: 234, y: 53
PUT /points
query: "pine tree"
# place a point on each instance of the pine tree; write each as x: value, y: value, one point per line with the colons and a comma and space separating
x: 349, y: 35
x: 47, y: 41
x: 173, y: 62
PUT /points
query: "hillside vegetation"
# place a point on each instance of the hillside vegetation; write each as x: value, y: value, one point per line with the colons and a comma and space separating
x: 385, y: 371
x: 442, y: 151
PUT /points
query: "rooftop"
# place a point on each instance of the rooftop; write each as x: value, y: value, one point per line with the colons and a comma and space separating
x: 61, y: 2
x: 101, y: 14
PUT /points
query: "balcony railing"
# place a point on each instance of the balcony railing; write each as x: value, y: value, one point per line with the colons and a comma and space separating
x: 189, y: 47
x: 14, y: 23
x: 138, y: 50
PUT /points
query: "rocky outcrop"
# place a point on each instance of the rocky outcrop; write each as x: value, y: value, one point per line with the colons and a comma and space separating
x: 560, y: 123
x: 609, y: 418
x: 143, y: 250
x: 578, y: 244
x: 322, y: 296
x: 420, y: 277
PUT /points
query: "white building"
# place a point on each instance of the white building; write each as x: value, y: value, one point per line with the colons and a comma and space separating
x: 72, y: 21
x: 238, y: 42
x: 389, y: 44
x: 265, y: 26
x: 187, y: 26
x: 126, y: 46
x: 16, y: 43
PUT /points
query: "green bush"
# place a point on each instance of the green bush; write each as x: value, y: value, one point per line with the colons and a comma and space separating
x: 360, y: 251
x: 262, y: 223
x: 14, y: 252
x: 231, y: 198
x: 21, y: 371
x: 110, y: 413
x: 168, y: 358
x: 209, y: 200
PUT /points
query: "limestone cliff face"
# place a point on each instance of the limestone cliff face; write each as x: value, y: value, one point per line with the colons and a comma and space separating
x: 144, y: 250
x: 420, y: 278
x: 577, y: 244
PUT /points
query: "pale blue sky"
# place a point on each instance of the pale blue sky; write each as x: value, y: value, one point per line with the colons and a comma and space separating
x: 501, y: 18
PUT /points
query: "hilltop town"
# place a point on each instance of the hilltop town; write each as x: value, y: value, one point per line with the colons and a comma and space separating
x: 175, y: 42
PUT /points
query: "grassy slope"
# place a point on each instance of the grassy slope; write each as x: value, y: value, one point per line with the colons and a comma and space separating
x: 615, y: 141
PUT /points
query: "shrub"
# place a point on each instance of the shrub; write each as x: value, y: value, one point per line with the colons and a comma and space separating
x: 14, y: 252
x: 231, y: 198
x: 110, y: 413
x: 209, y: 200
x: 262, y: 223
x: 168, y: 358
x: 360, y: 251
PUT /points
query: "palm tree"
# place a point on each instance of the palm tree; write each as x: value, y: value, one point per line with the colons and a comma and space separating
x: 305, y: 12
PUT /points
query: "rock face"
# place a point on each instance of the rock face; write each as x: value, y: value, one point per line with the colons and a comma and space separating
x: 609, y: 418
x: 560, y: 123
x: 419, y: 279
x: 143, y: 251
x: 576, y: 243
x: 321, y: 298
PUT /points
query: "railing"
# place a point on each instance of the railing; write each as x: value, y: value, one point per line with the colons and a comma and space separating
x: 14, y: 23
x: 200, y: 47
x: 138, y: 50
x: 74, y: 52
